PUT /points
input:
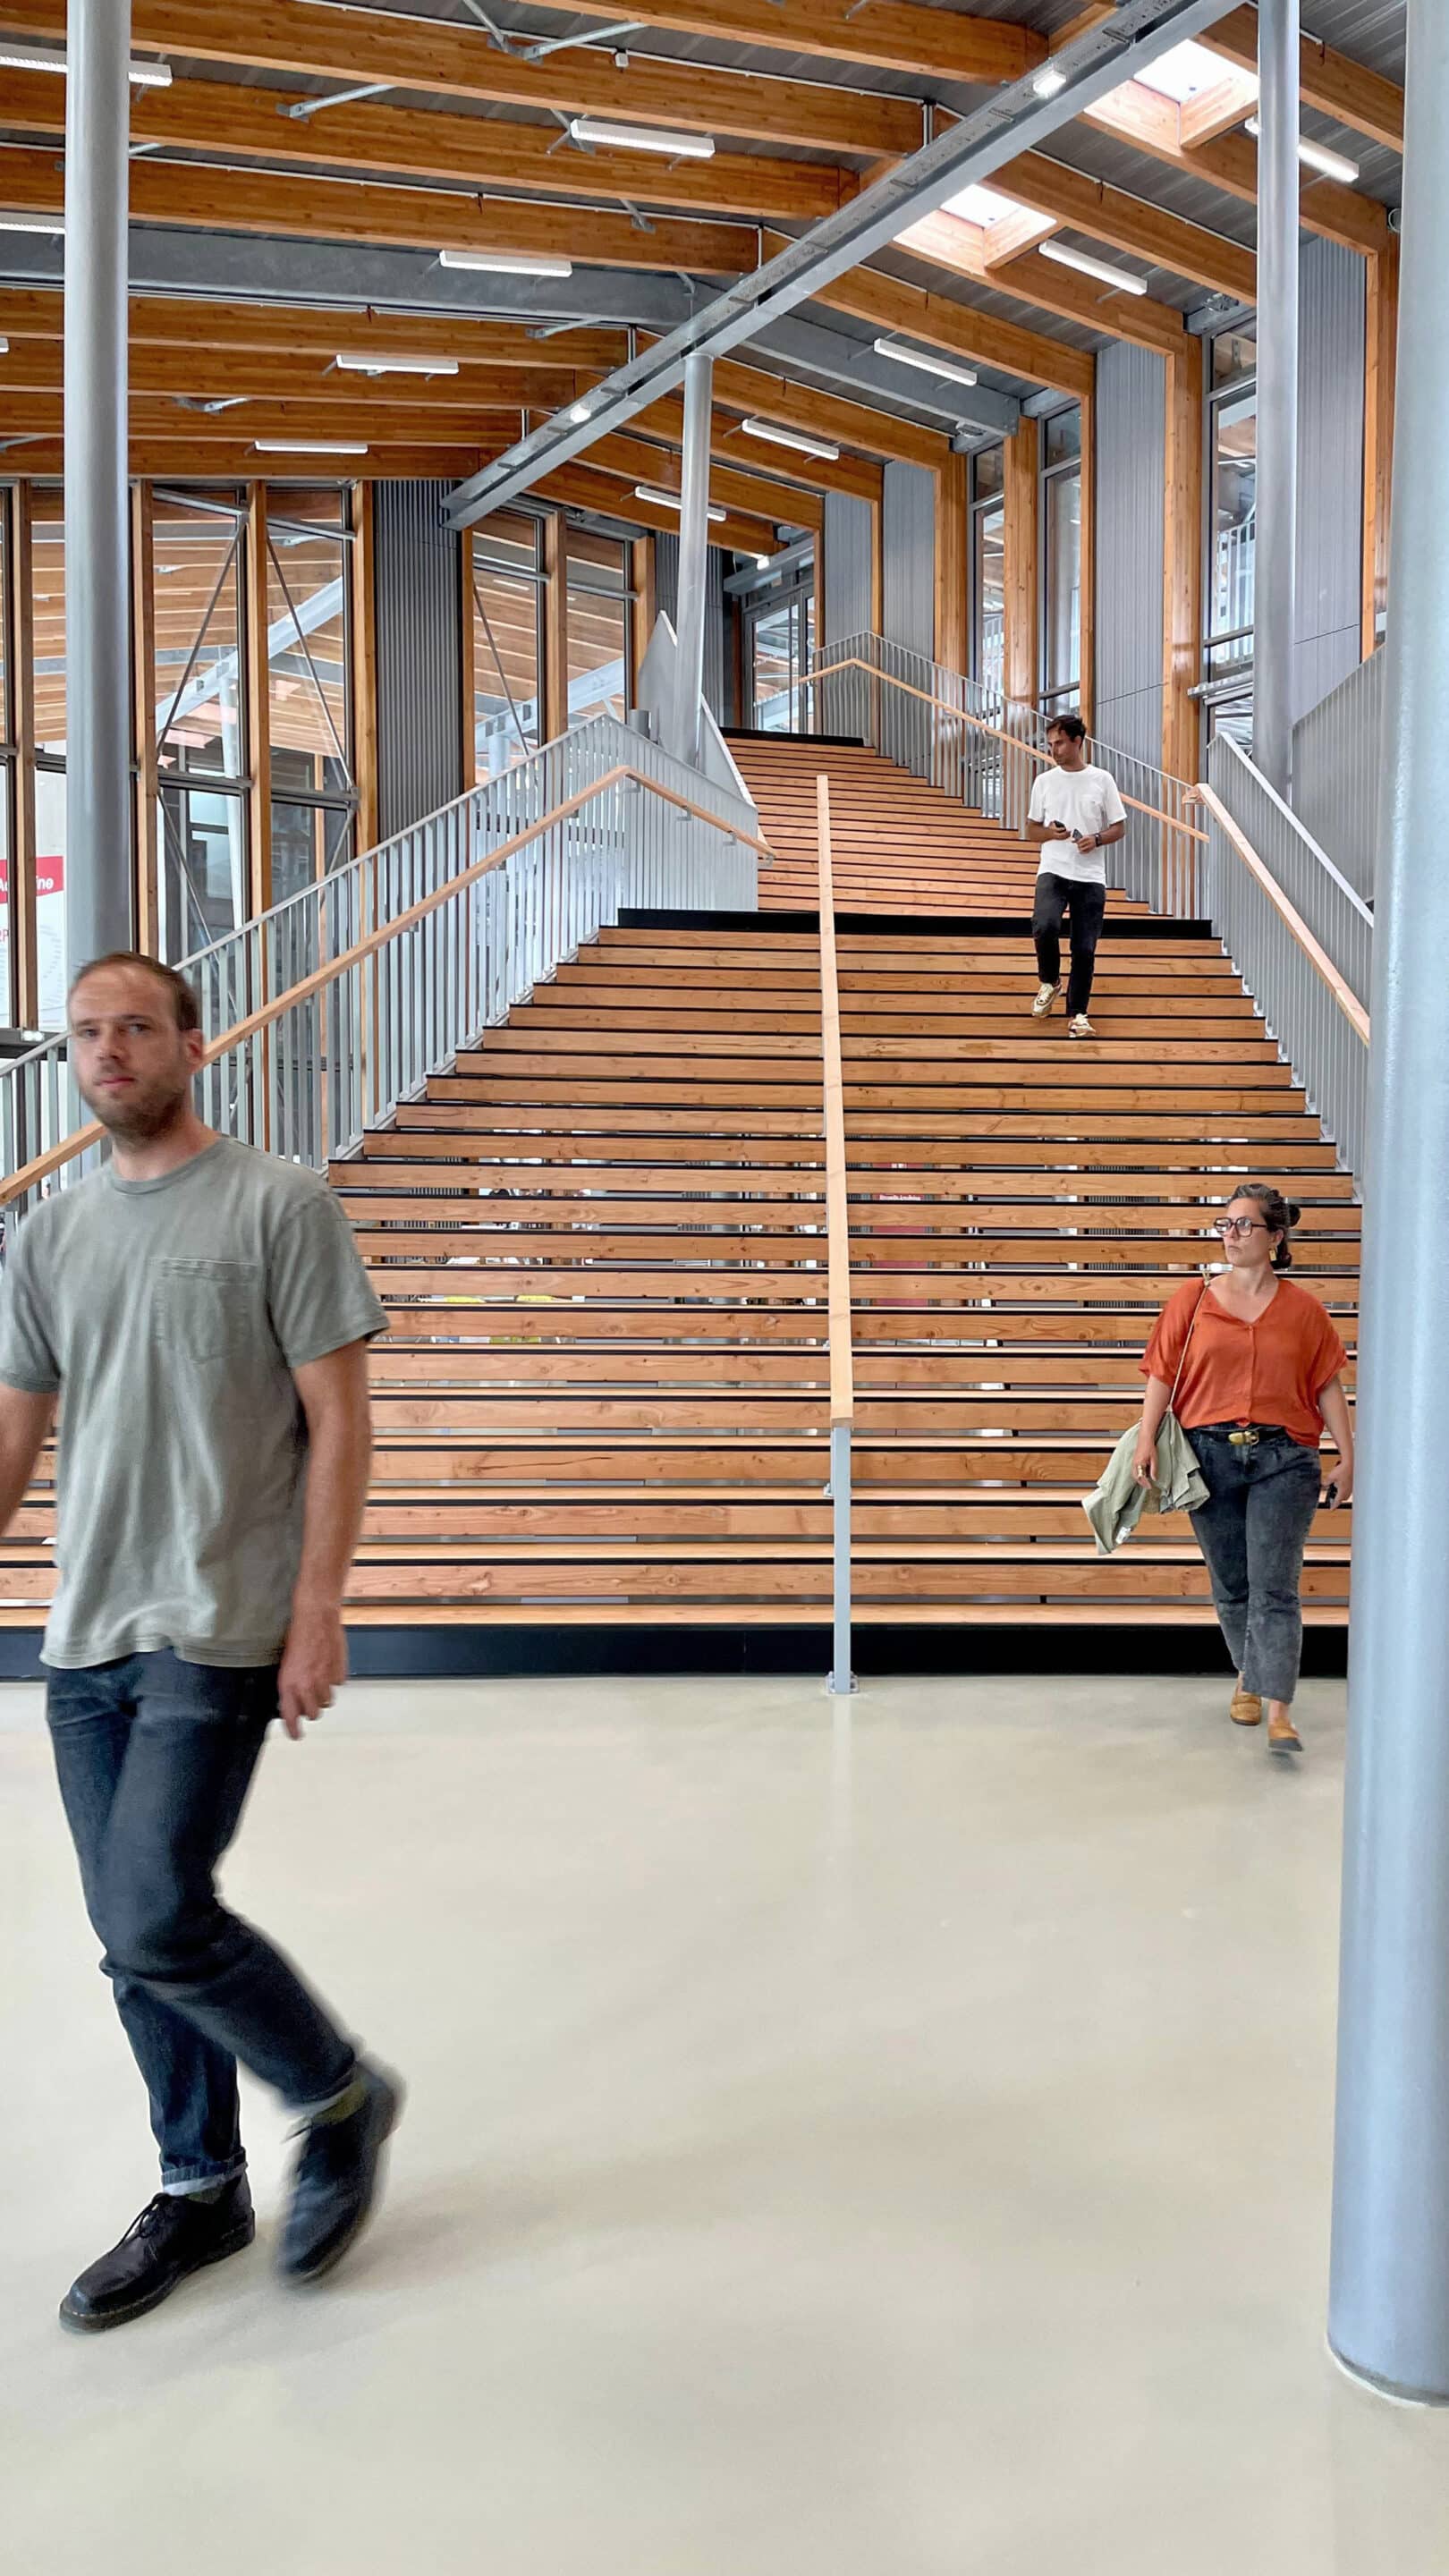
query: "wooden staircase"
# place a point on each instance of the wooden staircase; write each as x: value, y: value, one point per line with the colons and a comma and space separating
x: 599, y: 1240
x: 900, y: 847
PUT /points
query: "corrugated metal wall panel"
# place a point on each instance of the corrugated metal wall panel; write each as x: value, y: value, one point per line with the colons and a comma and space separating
x: 666, y: 577
x: 1337, y: 770
x: 1330, y: 469
x: 847, y: 567
x: 908, y: 607
x: 418, y: 588
x: 1130, y: 443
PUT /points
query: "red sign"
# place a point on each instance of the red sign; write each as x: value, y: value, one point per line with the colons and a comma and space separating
x: 49, y: 878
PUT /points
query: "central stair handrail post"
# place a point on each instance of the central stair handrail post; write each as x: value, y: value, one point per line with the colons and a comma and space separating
x: 837, y: 1253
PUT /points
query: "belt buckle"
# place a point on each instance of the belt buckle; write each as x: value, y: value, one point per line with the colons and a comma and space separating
x: 1243, y: 1439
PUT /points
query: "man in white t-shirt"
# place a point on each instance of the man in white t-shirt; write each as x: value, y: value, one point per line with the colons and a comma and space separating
x: 1075, y: 814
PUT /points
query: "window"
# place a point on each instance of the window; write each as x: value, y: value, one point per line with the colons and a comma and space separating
x: 598, y: 613
x: 201, y: 747
x: 47, y: 595
x: 505, y: 606
x: 1232, y: 533
x: 780, y: 638
x: 1061, y: 547
x: 308, y: 613
x: 987, y: 567
x: 9, y: 1011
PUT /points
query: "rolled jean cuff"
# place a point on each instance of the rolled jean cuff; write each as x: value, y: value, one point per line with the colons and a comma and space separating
x: 305, y: 2112
x: 179, y: 2182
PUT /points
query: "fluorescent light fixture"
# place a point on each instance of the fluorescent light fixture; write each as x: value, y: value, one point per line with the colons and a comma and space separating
x: 508, y: 263
x: 32, y: 223
x: 777, y: 437
x: 579, y: 413
x: 356, y: 364
x: 663, y: 500
x: 929, y: 366
x: 762, y: 563
x: 4, y: 347
x: 1067, y: 258
x: 1316, y: 156
x: 14, y: 57
x: 1049, y: 83
x: 310, y: 446
x: 667, y: 139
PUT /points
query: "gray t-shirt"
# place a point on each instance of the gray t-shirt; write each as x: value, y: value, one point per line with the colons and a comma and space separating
x: 169, y: 1316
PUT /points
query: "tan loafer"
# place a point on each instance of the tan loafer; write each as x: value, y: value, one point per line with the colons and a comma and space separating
x: 1283, y: 1736
x: 1245, y: 1708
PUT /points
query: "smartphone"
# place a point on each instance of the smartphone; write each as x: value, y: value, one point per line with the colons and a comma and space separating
x: 1330, y: 1498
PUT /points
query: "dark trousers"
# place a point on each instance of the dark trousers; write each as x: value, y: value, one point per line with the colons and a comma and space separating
x: 155, y: 1758
x: 1087, y: 904
x: 1253, y: 1530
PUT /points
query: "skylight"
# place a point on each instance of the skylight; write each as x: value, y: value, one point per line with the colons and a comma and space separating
x: 978, y: 205
x: 1184, y: 73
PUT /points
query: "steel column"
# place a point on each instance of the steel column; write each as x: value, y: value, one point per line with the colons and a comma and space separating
x: 1389, y: 2311
x: 97, y: 623
x: 693, y: 557
x: 1277, y: 496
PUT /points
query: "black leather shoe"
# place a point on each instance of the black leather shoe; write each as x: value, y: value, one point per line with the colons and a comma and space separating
x: 174, y: 2235
x: 337, y: 2178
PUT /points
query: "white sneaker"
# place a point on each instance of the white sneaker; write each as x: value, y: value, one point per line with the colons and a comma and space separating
x: 1080, y: 1027
x: 1046, y: 995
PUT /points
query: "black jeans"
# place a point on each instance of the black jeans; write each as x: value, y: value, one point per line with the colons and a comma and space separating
x: 1087, y: 903
x: 155, y: 1758
x: 1253, y: 1530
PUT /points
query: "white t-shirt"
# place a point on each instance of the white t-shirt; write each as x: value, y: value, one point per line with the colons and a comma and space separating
x: 1086, y: 800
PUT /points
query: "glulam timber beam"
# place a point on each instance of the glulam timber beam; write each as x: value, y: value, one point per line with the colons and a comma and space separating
x: 1330, y: 81
x: 584, y: 487
x: 744, y: 389
x: 1123, y: 222
x: 462, y: 61
x: 348, y: 210
x: 1381, y: 358
x: 729, y: 444
x: 960, y: 247
x: 383, y: 142
x: 1150, y: 124
x: 193, y: 372
x: 736, y: 488
x: 960, y: 330
x: 893, y: 34
x: 1182, y: 560
x: 179, y: 321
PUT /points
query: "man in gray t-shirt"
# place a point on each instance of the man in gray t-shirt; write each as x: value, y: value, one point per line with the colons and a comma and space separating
x: 199, y: 1311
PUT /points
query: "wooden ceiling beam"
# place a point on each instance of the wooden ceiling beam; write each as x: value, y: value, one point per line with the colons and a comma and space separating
x: 738, y: 490
x: 959, y: 330
x: 384, y: 142
x: 585, y: 487
x: 449, y: 60
x: 1332, y: 82
x: 849, y: 474
x: 892, y: 34
x: 753, y: 388
x: 172, y: 460
x: 181, y: 321
x: 1150, y: 124
x: 959, y: 246
x: 203, y: 374
x: 37, y: 415
x: 1217, y: 110
x: 1124, y: 222
x: 253, y: 201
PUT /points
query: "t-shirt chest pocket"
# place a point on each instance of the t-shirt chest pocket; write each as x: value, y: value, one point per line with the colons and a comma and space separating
x: 209, y: 1310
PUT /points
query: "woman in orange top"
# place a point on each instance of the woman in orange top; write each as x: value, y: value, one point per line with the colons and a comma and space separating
x: 1261, y: 1377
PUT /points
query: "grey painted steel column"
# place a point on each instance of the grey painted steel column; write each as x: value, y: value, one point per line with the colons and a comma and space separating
x: 693, y: 556
x: 1277, y: 493
x: 97, y: 530
x: 1389, y: 2309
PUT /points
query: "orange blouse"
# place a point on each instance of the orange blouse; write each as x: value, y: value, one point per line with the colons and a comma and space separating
x: 1272, y: 1371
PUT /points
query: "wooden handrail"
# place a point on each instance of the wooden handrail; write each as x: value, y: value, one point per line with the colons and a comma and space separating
x: 963, y: 715
x: 1352, y: 1009
x: 42, y: 1165
x: 837, y: 1204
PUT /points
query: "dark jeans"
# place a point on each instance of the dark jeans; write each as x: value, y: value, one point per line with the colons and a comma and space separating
x: 1087, y: 903
x: 155, y: 1758
x: 1252, y: 1531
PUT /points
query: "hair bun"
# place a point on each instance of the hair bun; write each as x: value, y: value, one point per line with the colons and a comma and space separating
x: 1294, y: 1212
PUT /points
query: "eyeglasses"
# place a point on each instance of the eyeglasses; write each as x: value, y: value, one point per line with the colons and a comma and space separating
x: 1226, y: 1225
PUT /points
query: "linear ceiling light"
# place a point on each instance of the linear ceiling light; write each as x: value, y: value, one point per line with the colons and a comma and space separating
x: 1048, y: 82
x: 663, y: 500
x: 579, y: 412
x: 1067, y: 258
x: 32, y: 223
x: 929, y: 366
x: 777, y: 437
x: 357, y: 365
x: 508, y: 263
x: 310, y: 446
x: 37, y: 58
x: 677, y: 146
x: 1316, y: 156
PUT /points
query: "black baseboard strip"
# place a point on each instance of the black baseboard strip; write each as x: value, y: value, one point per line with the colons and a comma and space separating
x: 897, y: 925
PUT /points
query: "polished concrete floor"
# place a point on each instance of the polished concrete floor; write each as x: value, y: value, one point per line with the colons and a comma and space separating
x: 883, y: 2142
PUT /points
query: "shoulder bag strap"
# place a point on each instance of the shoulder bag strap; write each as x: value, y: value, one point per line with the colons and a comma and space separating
x: 1187, y: 1345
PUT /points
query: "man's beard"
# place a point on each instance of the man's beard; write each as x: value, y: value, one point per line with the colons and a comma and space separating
x: 141, y: 1115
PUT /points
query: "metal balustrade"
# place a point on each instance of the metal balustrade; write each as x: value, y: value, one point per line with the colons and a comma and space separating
x: 323, y: 1014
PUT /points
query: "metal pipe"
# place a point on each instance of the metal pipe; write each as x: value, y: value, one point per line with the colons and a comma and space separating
x: 693, y: 558
x: 1389, y: 2306
x: 842, y: 1679
x: 97, y: 520
x: 1277, y: 477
